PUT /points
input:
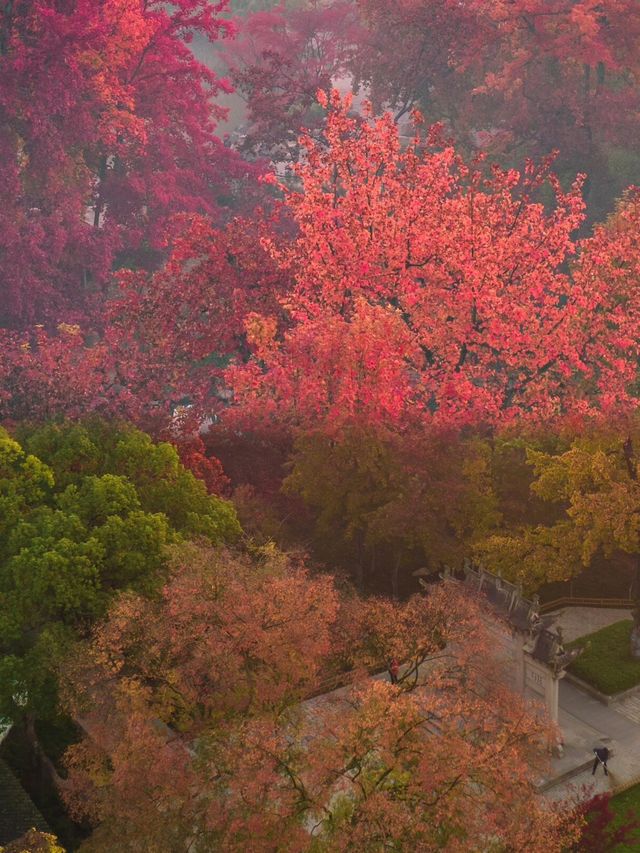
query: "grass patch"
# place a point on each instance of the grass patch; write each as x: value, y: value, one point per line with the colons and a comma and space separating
x: 607, y: 664
x: 621, y: 805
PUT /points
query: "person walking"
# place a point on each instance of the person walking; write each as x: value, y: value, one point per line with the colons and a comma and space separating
x: 394, y: 668
x: 602, y: 756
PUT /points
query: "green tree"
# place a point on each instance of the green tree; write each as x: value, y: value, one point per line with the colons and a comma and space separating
x: 85, y: 510
x: 162, y: 483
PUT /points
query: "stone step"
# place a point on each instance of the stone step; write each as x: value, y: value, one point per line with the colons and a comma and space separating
x: 630, y: 708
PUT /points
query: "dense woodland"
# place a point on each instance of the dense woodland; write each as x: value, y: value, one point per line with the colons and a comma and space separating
x: 263, y: 367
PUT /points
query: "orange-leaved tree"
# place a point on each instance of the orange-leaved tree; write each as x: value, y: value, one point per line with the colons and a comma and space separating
x: 201, y: 730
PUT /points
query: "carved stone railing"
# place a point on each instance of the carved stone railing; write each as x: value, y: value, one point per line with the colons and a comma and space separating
x: 576, y: 601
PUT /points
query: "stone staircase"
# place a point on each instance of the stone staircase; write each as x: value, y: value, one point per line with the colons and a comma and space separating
x: 629, y: 707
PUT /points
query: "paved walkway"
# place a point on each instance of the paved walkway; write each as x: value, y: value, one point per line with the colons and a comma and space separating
x: 586, y: 723
x: 601, y: 717
x: 579, y: 621
x: 584, y: 720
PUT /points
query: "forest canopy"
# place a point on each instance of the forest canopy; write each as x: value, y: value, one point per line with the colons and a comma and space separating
x: 310, y: 310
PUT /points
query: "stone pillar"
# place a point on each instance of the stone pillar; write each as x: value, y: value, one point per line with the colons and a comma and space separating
x: 542, y: 684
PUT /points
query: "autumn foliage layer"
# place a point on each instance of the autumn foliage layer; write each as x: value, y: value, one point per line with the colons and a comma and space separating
x: 205, y: 731
x: 378, y: 342
x: 416, y: 289
x: 107, y: 128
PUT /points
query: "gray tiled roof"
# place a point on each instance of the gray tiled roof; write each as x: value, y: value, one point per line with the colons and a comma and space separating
x: 506, y: 600
x: 18, y: 813
x: 545, y: 647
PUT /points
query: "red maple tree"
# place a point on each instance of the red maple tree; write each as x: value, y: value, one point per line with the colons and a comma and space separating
x: 164, y: 336
x: 107, y: 127
x: 424, y: 289
x: 514, y: 77
x: 279, y: 60
x: 416, y: 288
x: 405, y: 56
